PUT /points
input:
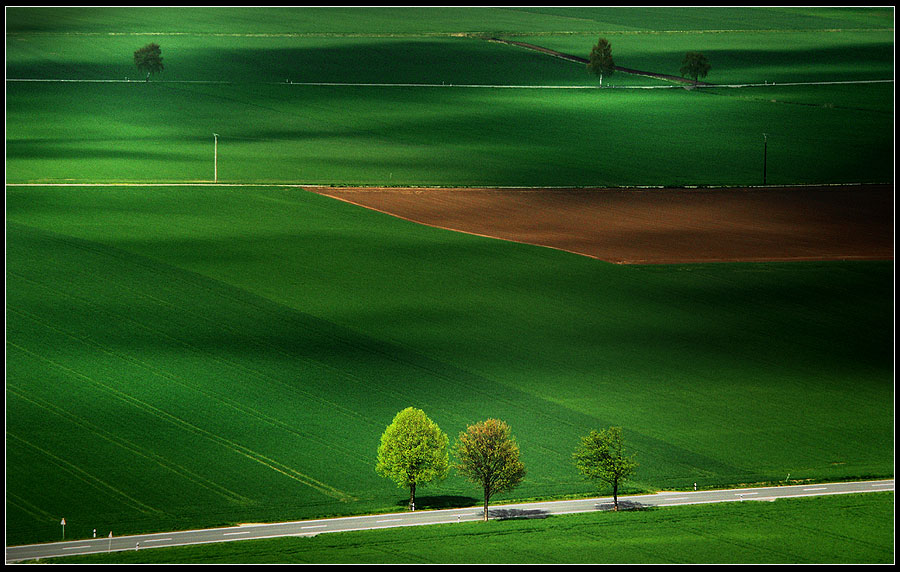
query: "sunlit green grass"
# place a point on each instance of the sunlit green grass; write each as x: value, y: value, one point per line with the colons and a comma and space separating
x: 181, y: 357
x: 437, y: 136
x: 438, y: 20
x: 844, y: 529
x: 273, y: 130
x: 739, y: 57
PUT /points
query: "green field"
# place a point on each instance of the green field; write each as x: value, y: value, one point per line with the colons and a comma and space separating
x: 243, y: 367
x: 185, y: 356
x: 846, y: 529
x: 413, y: 129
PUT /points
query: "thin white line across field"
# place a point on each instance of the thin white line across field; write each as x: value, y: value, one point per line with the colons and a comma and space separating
x: 465, y: 85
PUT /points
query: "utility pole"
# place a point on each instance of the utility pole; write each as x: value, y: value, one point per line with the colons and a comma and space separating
x: 216, y: 158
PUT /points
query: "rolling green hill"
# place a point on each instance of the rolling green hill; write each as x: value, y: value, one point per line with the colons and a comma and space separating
x: 183, y: 356
x: 194, y: 356
x: 393, y: 117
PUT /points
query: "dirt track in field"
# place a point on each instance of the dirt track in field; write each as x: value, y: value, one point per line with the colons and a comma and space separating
x: 660, y: 226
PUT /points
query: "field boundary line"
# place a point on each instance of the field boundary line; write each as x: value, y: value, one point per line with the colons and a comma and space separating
x: 462, y: 85
x: 364, y: 188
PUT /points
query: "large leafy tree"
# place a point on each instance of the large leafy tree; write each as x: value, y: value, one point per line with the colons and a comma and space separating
x: 695, y: 65
x: 487, y: 455
x: 601, y: 456
x: 601, y: 60
x: 149, y: 59
x: 413, y: 452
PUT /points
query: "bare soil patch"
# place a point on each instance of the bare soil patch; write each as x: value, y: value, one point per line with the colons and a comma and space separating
x: 660, y: 226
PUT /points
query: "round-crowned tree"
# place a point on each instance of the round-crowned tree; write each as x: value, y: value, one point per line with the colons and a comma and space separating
x: 149, y: 59
x: 413, y: 452
x: 487, y: 455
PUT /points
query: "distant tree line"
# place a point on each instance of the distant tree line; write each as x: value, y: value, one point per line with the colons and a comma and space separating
x: 414, y: 452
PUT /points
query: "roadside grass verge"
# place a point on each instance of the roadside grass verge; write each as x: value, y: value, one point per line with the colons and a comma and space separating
x: 841, y: 529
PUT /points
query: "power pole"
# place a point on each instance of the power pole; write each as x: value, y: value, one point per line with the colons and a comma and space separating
x: 216, y: 158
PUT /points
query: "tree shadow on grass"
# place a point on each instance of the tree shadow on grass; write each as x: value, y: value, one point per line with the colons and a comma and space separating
x: 440, y: 501
x: 517, y: 513
x: 623, y: 505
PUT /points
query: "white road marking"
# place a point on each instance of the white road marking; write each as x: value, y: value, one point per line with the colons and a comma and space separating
x: 816, y: 489
x: 390, y: 520
x: 157, y: 540
x: 315, y: 526
x: 232, y: 533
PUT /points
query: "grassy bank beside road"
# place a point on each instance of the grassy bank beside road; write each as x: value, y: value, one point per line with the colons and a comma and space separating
x: 843, y: 529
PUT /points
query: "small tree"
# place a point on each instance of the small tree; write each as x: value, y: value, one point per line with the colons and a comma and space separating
x: 695, y: 65
x: 413, y: 452
x: 601, y: 61
x: 148, y: 59
x: 487, y: 455
x: 601, y: 456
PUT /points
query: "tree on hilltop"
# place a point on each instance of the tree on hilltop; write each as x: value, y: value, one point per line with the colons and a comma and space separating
x: 695, y: 65
x: 601, y: 61
x: 413, y: 452
x: 149, y: 59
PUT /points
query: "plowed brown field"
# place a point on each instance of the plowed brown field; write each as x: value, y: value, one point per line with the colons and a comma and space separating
x: 660, y: 226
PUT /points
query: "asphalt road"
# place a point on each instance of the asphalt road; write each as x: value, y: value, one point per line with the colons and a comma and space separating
x: 448, y: 516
